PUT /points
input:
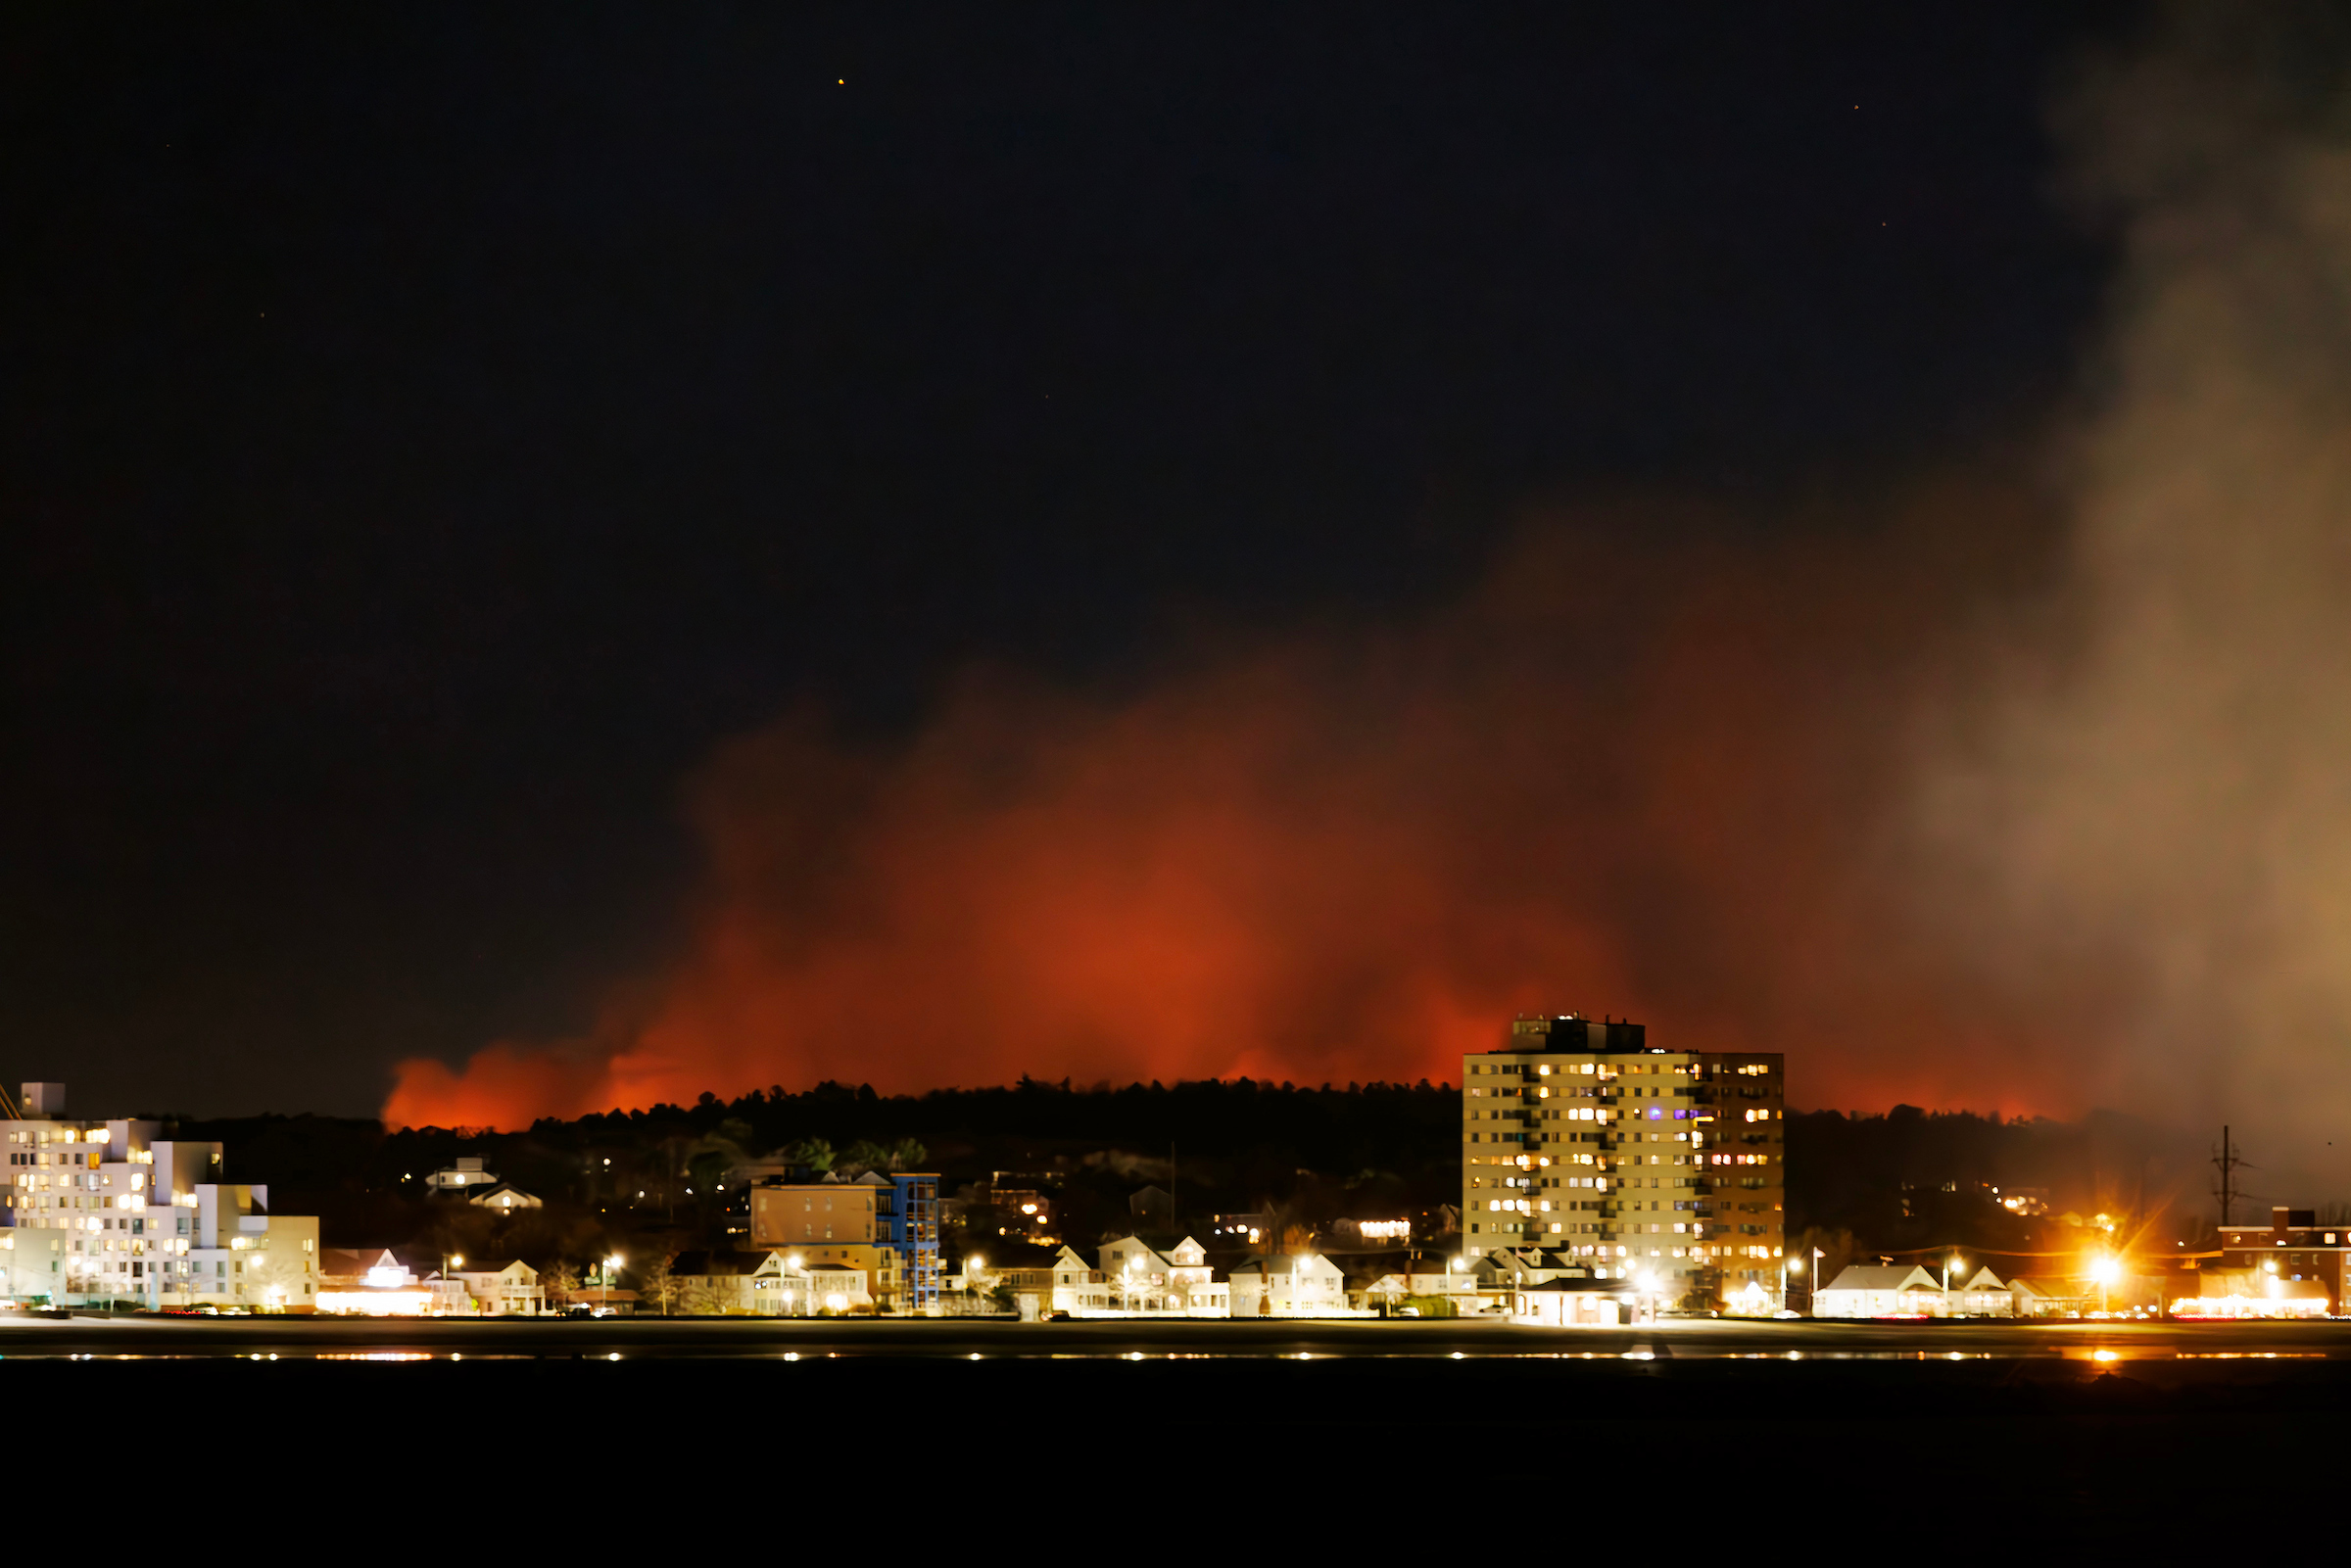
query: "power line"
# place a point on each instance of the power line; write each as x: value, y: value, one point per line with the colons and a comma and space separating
x: 2227, y: 1161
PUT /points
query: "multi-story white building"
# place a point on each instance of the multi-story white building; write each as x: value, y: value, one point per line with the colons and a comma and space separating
x: 1141, y: 1278
x: 508, y: 1287
x: 106, y: 1211
x: 1285, y: 1286
x: 1665, y: 1169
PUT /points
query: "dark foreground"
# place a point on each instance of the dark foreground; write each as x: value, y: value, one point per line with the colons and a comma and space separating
x: 2065, y: 1431
x: 932, y: 1339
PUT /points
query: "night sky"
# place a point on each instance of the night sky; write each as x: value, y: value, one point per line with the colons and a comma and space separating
x: 431, y: 440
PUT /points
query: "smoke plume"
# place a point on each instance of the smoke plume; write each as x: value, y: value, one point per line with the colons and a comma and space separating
x: 2150, y: 794
x: 1643, y: 771
x: 2024, y: 788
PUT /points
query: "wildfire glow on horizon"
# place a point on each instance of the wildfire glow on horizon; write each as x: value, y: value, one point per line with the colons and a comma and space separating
x: 2015, y: 787
x: 1608, y: 783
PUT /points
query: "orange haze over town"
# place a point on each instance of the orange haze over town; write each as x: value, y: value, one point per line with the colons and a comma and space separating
x: 1657, y: 784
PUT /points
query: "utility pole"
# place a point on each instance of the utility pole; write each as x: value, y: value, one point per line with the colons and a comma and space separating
x: 2227, y: 1161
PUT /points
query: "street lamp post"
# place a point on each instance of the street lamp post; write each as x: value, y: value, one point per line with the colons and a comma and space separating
x: 2104, y: 1271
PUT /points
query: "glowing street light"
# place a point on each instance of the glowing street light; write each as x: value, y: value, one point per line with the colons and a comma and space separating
x: 2105, y: 1270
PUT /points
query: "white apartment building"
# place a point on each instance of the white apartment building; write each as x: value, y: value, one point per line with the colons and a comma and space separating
x: 105, y: 1212
x: 503, y: 1289
x: 790, y: 1286
x: 1137, y: 1277
x: 1286, y: 1285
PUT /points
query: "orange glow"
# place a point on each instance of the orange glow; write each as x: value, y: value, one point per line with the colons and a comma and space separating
x: 1650, y: 791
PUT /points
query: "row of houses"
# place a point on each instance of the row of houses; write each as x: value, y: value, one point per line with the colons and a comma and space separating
x: 2292, y: 1267
x: 2255, y: 1290
x: 1899, y: 1291
x: 1133, y: 1276
x: 1128, y: 1276
x: 375, y: 1282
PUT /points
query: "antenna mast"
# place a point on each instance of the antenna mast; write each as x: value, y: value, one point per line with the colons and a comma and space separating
x: 2227, y: 1161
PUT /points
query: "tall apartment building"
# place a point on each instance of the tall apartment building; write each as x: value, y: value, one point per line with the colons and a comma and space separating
x: 96, y: 1211
x: 883, y: 1222
x: 909, y: 1218
x: 1585, y: 1143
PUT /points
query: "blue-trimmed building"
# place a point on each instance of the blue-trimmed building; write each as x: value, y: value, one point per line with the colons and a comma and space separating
x: 908, y: 1219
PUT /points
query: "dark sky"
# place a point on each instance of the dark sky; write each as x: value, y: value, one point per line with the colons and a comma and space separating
x: 424, y: 443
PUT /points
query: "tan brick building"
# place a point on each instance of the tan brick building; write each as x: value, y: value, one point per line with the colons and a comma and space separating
x: 1581, y: 1139
x: 813, y: 1214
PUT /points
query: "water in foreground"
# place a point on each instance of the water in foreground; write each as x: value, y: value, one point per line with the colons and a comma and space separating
x: 2088, y: 1432
x: 2096, y: 1344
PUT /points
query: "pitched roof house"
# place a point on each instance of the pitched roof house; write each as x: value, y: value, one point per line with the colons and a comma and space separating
x: 1881, y: 1291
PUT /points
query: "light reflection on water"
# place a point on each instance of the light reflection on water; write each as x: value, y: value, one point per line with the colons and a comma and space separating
x: 1653, y: 1352
x: 1644, y: 1357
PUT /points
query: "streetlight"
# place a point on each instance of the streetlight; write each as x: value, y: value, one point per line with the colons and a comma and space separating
x: 2105, y: 1272
x: 605, y: 1272
x: 1787, y: 1266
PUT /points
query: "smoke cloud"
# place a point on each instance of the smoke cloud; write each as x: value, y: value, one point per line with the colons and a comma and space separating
x: 2027, y: 788
x: 2151, y: 791
x: 1644, y: 771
